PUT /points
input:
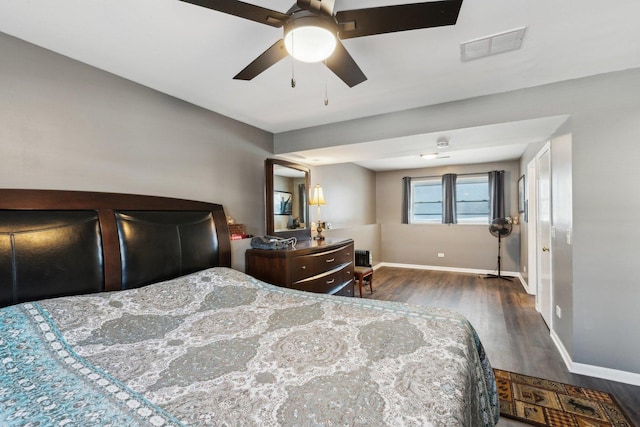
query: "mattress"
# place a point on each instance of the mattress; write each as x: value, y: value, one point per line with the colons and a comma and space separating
x: 218, y: 347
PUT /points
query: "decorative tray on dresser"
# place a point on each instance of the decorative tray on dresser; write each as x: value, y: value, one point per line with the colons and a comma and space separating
x: 324, y: 266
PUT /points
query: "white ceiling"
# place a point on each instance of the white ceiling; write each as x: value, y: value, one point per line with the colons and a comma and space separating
x: 506, y: 141
x: 192, y: 53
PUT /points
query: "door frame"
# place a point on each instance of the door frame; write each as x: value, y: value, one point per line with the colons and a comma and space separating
x: 537, y: 250
x: 532, y: 229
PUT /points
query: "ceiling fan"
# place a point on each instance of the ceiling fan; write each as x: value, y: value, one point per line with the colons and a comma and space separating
x: 312, y: 31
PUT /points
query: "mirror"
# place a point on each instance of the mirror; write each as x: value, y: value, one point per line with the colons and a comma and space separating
x: 287, y: 204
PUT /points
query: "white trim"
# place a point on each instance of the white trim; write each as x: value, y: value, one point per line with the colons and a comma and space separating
x: 562, y: 350
x: 606, y: 373
x: 525, y: 285
x: 532, y: 231
x: 440, y: 268
x: 592, y: 370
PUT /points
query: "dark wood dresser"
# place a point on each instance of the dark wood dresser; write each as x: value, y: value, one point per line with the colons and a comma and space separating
x: 314, y: 266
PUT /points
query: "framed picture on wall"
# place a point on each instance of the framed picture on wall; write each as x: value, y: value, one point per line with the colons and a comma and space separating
x: 282, y: 203
x: 521, y: 207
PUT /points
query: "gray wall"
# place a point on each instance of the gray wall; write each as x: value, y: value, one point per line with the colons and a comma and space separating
x: 605, y: 120
x: 464, y: 245
x: 350, y: 192
x: 66, y: 125
x: 606, y: 241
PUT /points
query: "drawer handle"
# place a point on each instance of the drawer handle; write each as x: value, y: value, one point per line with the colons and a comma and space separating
x: 304, y: 267
x: 330, y: 281
x: 331, y: 260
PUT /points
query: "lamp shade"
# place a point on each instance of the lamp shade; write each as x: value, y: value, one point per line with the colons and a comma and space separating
x: 317, y: 197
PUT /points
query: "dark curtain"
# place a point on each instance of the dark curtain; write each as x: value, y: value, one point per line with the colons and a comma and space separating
x: 496, y: 195
x: 302, y: 204
x: 406, y: 199
x: 449, y: 198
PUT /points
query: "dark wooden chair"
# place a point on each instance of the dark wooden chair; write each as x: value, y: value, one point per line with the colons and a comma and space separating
x: 363, y: 272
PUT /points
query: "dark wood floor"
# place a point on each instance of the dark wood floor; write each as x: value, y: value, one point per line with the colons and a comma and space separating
x: 504, y: 315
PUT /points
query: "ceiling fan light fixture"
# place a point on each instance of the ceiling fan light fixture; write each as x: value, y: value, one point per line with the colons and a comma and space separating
x: 310, y: 38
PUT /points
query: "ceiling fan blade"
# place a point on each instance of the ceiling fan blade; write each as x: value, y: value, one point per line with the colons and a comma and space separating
x: 244, y: 10
x: 269, y: 57
x: 343, y: 66
x: 402, y: 17
x: 323, y: 6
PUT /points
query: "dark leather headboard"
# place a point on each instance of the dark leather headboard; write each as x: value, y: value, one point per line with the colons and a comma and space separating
x: 55, y: 243
x: 156, y: 246
x: 61, y: 249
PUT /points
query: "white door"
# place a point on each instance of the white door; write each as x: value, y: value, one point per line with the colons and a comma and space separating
x: 544, y: 293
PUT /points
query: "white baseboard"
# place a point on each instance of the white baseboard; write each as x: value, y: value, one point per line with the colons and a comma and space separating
x: 440, y: 268
x: 592, y: 370
x: 525, y: 285
x: 566, y: 357
x: 606, y: 373
x: 456, y: 270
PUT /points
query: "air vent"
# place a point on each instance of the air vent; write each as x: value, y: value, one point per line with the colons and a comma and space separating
x: 492, y: 45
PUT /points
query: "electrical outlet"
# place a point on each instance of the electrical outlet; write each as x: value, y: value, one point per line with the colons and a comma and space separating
x: 568, y: 236
x: 524, y: 267
x: 558, y: 312
x: 440, y: 254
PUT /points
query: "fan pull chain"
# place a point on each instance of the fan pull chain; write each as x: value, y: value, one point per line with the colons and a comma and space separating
x: 326, y: 94
x: 326, y: 90
x: 293, y: 62
x: 293, y: 75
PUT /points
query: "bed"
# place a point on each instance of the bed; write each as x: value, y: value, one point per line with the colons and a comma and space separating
x: 122, y: 310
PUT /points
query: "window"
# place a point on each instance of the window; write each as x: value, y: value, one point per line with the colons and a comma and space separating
x: 426, y: 200
x: 472, y: 200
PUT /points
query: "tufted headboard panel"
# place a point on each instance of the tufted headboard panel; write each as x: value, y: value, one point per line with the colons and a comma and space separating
x: 55, y: 243
x: 156, y: 246
x: 62, y: 249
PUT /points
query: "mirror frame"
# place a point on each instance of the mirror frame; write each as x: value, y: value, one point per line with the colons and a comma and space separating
x: 301, y: 233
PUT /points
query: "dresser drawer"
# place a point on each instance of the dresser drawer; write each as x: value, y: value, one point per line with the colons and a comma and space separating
x: 347, y: 290
x: 323, y: 284
x: 333, y: 259
x: 346, y: 254
x: 302, y: 267
x: 347, y: 273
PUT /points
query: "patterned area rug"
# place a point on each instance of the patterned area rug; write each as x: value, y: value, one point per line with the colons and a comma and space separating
x: 549, y: 403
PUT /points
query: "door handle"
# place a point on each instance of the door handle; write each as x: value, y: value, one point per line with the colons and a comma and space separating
x: 545, y: 249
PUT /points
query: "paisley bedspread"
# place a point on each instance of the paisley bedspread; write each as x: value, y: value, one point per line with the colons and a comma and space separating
x: 220, y: 348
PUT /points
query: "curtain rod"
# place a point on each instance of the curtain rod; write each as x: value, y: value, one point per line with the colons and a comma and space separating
x: 457, y: 174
